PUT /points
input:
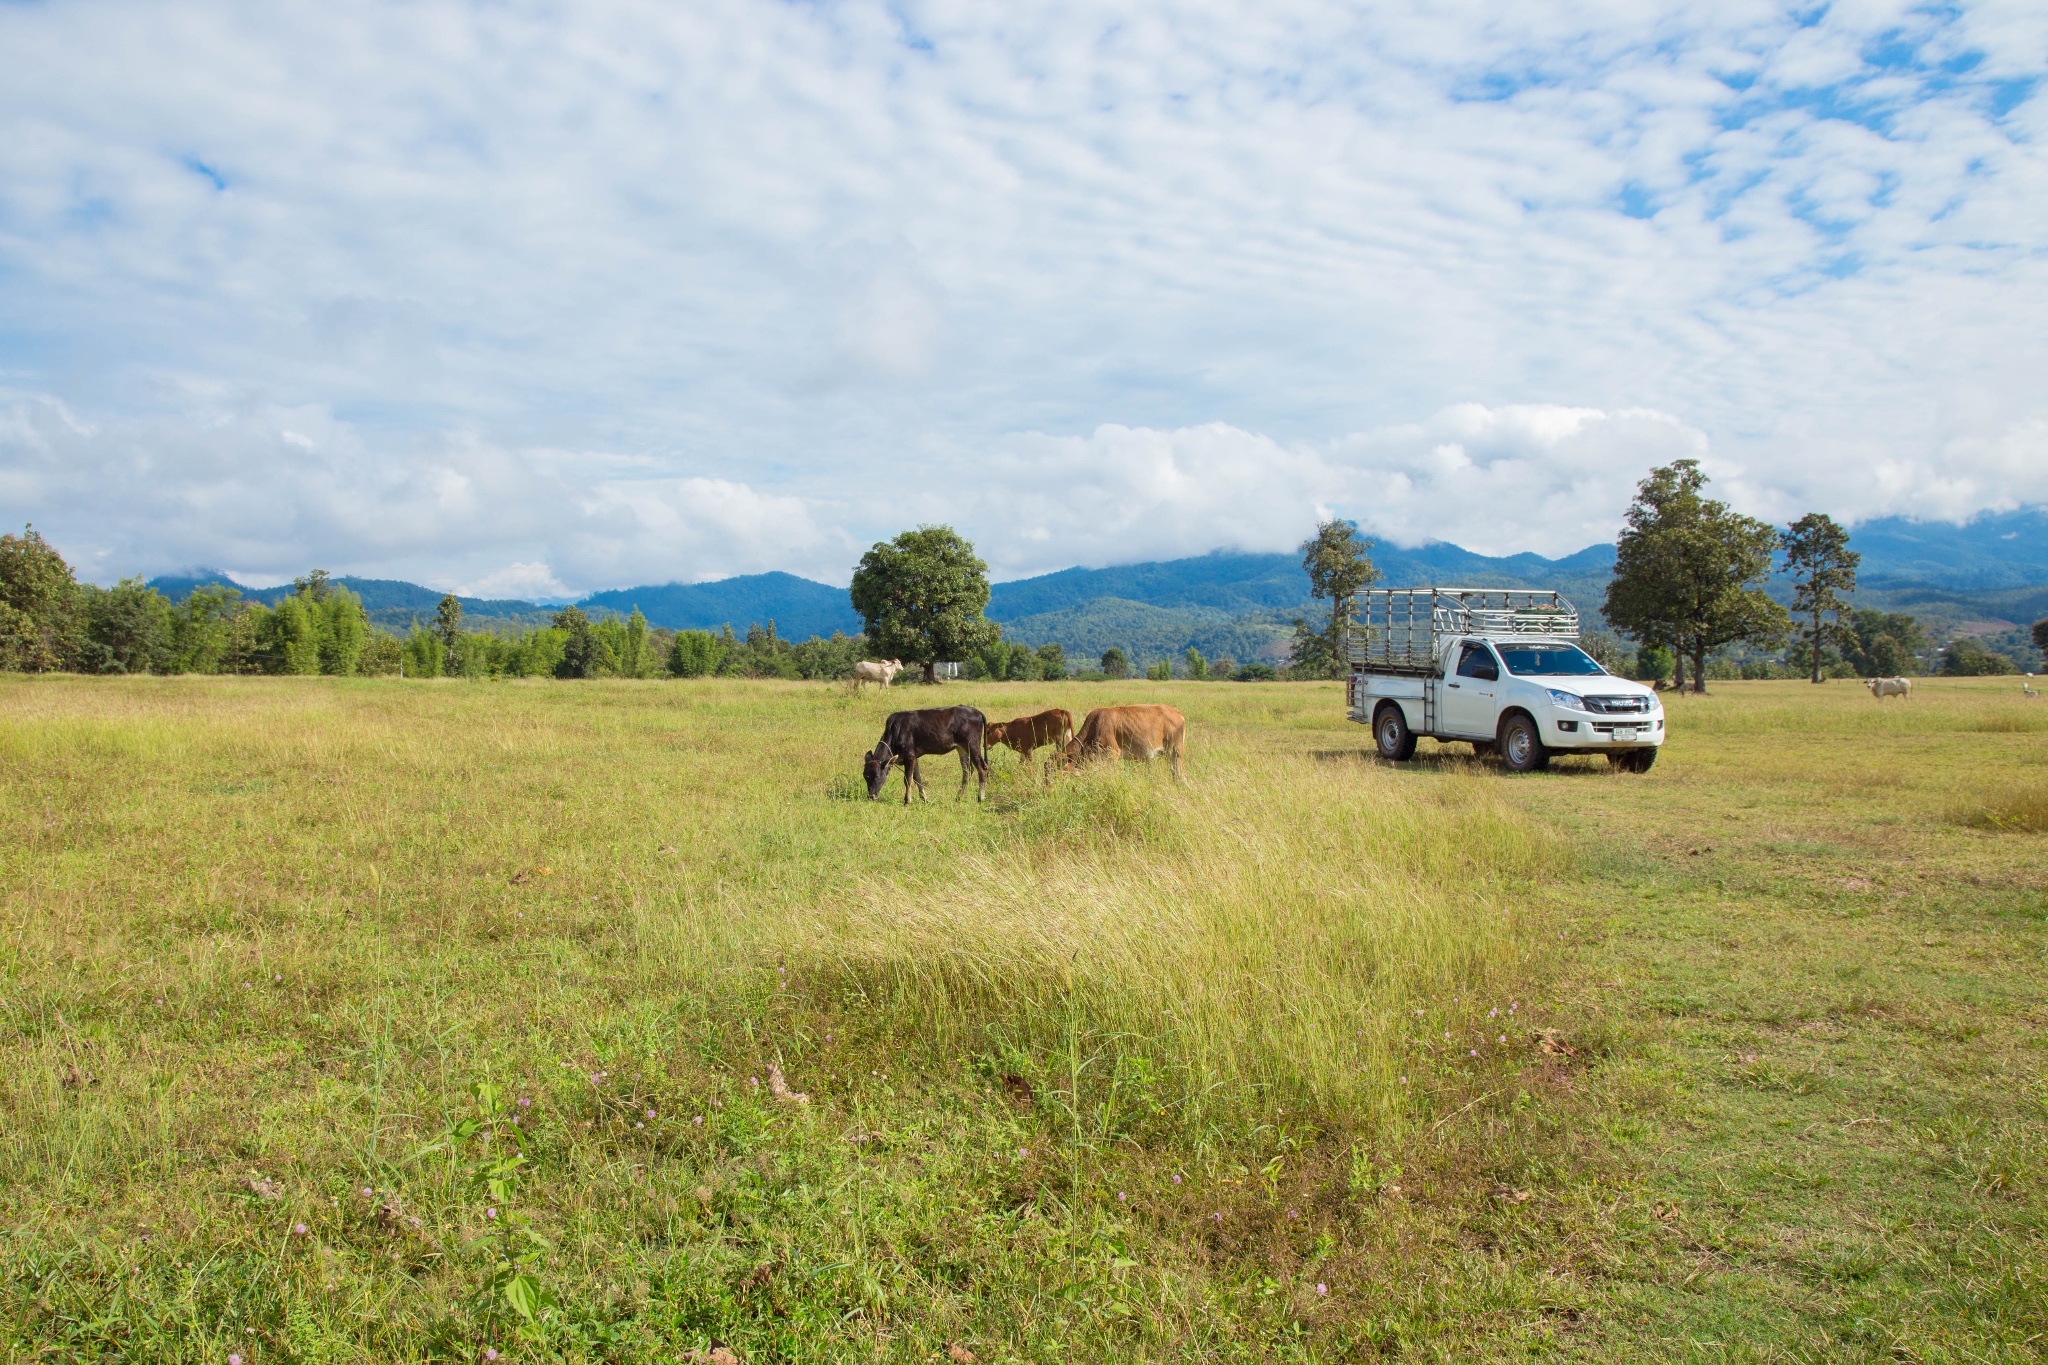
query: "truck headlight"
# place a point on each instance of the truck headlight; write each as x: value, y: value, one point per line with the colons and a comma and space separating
x: 1566, y: 700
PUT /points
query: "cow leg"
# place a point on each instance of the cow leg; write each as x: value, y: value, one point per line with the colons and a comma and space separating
x: 966, y: 763
x: 909, y: 777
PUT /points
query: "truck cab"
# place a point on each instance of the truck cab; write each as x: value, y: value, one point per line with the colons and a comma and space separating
x: 1504, y: 679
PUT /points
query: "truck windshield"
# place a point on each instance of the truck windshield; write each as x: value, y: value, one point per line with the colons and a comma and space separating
x: 1554, y: 661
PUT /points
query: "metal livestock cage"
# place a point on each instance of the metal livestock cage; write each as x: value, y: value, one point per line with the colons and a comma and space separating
x: 1396, y: 630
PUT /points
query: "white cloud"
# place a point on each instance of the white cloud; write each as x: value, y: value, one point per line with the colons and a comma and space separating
x: 529, y: 582
x: 630, y: 290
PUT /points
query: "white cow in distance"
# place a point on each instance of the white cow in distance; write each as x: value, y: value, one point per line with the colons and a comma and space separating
x: 866, y: 672
x: 1890, y: 687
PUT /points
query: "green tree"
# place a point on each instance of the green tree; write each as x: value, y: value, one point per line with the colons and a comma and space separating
x: 1115, y: 664
x: 2041, y: 637
x: 1052, y: 662
x: 1688, y: 571
x: 315, y: 585
x: 38, y: 604
x: 1198, y: 667
x: 1161, y: 671
x: 1966, y: 658
x: 1822, y: 568
x: 1338, y: 562
x: 289, y: 636
x: 202, y: 630
x: 125, y: 629
x: 1883, y: 644
x: 423, y: 653
x: 448, y: 625
x: 381, y: 653
x: 343, y: 629
x: 584, y: 655
x: 922, y: 596
x: 636, y: 660
x: 694, y: 654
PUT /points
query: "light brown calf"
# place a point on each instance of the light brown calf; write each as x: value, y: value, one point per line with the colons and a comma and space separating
x: 1026, y: 733
x: 1133, y: 732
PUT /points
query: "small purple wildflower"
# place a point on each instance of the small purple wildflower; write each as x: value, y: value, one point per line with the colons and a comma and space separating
x: 234, y: 1360
x: 1119, y: 1196
x: 1475, y: 1052
x: 1176, y: 1180
x: 525, y: 1104
x: 698, y: 1119
x: 298, y: 1229
x: 650, y: 1113
x: 1322, y: 1288
x: 490, y: 1213
x: 490, y: 1353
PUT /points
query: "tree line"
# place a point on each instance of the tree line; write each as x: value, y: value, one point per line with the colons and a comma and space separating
x: 1688, y: 585
x: 50, y: 621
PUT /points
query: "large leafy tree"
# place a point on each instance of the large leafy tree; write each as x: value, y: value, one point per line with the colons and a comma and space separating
x: 38, y: 604
x: 2041, y: 636
x: 1688, y: 571
x: 1822, y: 567
x: 922, y: 596
x: 584, y: 652
x: 1338, y: 562
x: 127, y: 628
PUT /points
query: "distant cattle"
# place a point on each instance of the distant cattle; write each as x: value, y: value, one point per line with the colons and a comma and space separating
x: 1026, y: 733
x: 1890, y: 687
x: 908, y: 736
x: 1133, y: 732
x: 866, y: 672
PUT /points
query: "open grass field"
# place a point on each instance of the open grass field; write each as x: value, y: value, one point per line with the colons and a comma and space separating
x: 347, y: 1020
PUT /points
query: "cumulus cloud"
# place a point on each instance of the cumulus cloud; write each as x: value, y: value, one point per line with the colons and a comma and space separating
x: 629, y: 290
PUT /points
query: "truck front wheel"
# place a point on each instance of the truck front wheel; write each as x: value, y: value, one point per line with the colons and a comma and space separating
x: 1633, y: 760
x: 1390, y: 730
x: 1521, y: 748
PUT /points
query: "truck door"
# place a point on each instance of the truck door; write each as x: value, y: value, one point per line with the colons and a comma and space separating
x: 1469, y: 703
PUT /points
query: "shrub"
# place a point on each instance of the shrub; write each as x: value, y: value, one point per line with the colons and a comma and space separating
x: 1256, y: 673
x: 1965, y: 658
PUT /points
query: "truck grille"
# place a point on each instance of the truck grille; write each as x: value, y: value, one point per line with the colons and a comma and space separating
x: 1618, y: 706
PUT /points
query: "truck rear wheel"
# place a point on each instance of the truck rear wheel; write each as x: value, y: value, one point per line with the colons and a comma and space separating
x: 1390, y: 731
x: 1633, y: 760
x: 1521, y: 748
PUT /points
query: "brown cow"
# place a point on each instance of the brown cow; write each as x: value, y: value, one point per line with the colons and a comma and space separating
x: 1133, y: 732
x: 1026, y: 733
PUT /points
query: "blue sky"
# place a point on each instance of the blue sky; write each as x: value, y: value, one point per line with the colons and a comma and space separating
x: 528, y: 298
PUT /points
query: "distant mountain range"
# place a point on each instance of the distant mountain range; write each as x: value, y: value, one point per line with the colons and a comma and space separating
x: 1988, y: 574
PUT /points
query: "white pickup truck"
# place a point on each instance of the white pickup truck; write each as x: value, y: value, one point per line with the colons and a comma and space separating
x: 1499, y: 668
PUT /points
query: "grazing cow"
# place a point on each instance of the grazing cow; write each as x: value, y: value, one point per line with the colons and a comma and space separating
x: 866, y: 672
x: 1026, y: 733
x: 1890, y: 687
x: 908, y: 736
x: 1133, y: 732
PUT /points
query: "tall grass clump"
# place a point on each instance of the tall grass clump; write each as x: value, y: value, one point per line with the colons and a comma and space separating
x: 1266, y: 934
x: 2017, y: 810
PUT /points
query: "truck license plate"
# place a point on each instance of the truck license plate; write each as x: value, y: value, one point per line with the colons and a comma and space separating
x: 1624, y: 736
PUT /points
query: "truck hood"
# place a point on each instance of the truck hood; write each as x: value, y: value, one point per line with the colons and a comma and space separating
x: 1580, y: 685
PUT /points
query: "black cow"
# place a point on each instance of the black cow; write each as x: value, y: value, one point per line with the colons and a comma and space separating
x: 908, y: 736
